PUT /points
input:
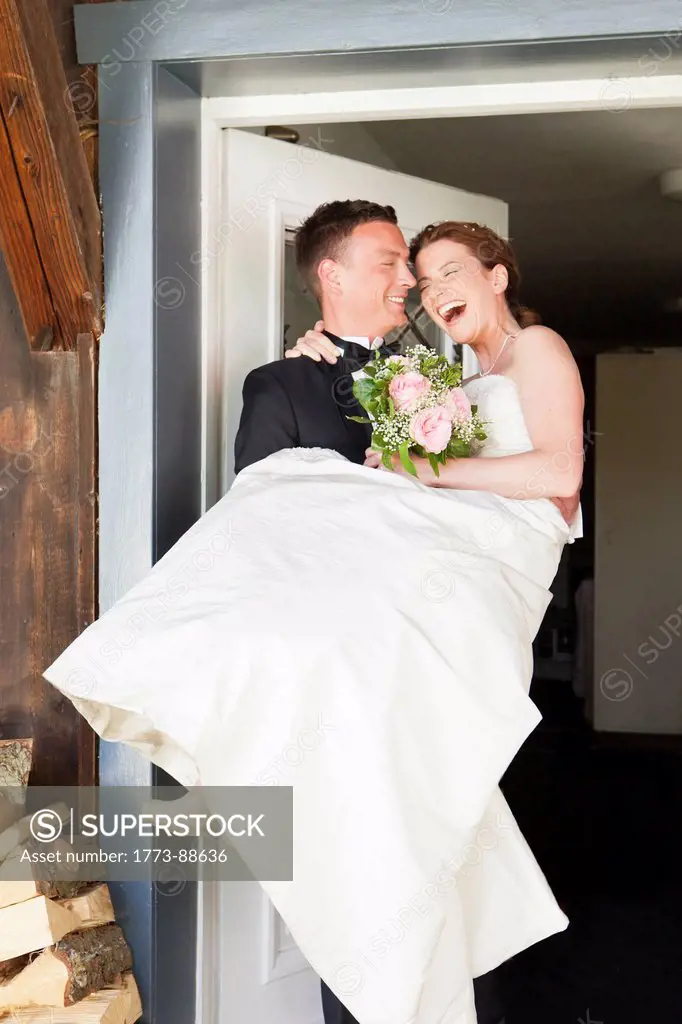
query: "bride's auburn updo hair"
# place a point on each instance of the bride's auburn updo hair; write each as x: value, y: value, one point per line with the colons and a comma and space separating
x: 489, y: 249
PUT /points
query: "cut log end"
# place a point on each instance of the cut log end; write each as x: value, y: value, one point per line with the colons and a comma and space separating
x: 115, y: 1004
x: 62, y: 890
x: 15, y: 762
x: 94, y: 958
x: 62, y: 975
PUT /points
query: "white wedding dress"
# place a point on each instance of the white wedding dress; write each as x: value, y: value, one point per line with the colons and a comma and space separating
x: 394, y: 622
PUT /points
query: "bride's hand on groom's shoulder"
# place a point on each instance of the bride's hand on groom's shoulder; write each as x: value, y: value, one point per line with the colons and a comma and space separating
x: 315, y: 345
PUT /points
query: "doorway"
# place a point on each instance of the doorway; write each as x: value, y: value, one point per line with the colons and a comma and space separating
x: 581, y: 187
x: 171, y: 77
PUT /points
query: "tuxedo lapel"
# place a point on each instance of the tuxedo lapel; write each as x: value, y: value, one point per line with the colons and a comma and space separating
x: 342, y: 391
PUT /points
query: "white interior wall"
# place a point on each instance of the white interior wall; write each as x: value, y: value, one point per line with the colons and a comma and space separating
x: 638, y: 545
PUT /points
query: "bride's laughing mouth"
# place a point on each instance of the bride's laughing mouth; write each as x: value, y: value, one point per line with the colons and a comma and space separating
x: 452, y: 310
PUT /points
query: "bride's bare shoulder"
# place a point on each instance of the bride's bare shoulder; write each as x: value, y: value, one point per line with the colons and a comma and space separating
x: 544, y: 369
x: 541, y: 344
x: 538, y: 334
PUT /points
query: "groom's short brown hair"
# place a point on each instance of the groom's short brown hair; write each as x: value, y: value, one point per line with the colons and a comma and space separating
x: 326, y: 231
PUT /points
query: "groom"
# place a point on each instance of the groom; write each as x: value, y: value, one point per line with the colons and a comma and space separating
x: 353, y: 257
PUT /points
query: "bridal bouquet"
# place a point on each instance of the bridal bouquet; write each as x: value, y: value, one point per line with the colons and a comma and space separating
x: 417, y: 407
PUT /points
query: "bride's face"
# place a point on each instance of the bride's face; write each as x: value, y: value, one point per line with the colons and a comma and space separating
x: 458, y: 292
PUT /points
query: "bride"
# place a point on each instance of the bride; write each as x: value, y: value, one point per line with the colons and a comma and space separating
x: 367, y: 639
x: 468, y: 281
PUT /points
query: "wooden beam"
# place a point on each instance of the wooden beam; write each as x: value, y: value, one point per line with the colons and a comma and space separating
x: 82, y: 82
x: 51, y: 173
x: 21, y: 252
x: 50, y: 501
x: 47, y: 541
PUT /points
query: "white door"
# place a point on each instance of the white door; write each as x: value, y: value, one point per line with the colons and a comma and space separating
x: 268, y: 187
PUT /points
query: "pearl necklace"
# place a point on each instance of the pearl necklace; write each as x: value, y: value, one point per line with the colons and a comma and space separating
x: 484, y: 373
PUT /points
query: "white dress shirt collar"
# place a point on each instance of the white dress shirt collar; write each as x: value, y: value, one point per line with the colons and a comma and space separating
x: 365, y: 342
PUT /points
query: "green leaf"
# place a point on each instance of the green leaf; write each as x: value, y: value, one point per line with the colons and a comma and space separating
x: 458, y: 449
x: 363, y: 390
x: 433, y: 462
x: 386, y: 459
x: 370, y: 369
x: 407, y: 463
x: 359, y: 419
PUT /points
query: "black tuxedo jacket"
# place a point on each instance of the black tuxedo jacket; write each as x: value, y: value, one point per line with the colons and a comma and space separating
x: 300, y: 403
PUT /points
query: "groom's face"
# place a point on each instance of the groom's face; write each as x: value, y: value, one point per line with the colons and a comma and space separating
x: 371, y: 280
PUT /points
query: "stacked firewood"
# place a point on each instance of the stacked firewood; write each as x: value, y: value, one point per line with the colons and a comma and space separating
x: 63, y: 958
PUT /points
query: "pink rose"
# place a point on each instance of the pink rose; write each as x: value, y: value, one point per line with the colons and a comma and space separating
x: 403, y: 360
x: 458, y: 405
x: 407, y: 388
x: 432, y: 428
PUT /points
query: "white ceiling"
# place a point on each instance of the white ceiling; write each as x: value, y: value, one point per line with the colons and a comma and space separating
x: 600, y: 249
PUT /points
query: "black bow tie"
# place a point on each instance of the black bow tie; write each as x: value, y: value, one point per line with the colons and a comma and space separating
x: 360, y: 354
